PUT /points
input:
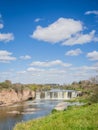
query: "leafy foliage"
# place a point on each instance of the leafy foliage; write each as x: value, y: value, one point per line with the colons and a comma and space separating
x: 94, y: 96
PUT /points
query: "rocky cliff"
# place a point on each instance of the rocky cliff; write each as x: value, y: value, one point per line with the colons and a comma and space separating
x: 8, y: 97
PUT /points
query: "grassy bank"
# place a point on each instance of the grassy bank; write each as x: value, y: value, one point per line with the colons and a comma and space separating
x: 75, y: 118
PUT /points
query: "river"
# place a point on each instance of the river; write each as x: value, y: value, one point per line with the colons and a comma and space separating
x: 11, y: 115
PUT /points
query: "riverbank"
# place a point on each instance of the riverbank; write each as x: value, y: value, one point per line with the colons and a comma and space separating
x: 10, y: 97
x: 15, y: 93
x: 76, y: 117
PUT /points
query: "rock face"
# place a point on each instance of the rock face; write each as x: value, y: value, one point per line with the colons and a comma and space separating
x: 8, y: 97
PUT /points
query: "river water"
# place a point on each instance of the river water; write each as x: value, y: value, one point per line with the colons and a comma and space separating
x: 11, y: 115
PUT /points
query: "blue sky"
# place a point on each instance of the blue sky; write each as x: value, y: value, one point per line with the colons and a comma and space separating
x: 48, y: 41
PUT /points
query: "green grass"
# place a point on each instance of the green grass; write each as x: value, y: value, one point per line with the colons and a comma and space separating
x: 79, y: 99
x: 75, y: 118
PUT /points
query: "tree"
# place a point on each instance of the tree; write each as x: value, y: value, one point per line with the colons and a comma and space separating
x: 94, y: 80
x: 94, y: 97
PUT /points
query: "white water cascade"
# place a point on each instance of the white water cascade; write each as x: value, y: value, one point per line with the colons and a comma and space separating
x: 56, y: 94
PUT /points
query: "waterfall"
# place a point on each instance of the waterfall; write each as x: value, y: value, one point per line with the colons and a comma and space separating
x: 56, y: 94
x: 37, y: 95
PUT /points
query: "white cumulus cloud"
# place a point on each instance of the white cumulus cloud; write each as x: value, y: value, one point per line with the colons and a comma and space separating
x: 66, y: 31
x: 91, y: 12
x: 26, y: 57
x: 75, y: 52
x: 6, y: 37
x: 37, y: 19
x: 1, y: 25
x: 21, y: 72
x: 32, y: 69
x: 6, y: 56
x: 93, y: 55
x: 80, y: 39
x: 50, y: 63
x: 58, y: 31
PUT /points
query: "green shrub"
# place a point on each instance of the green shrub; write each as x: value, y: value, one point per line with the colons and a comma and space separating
x: 94, y: 96
x: 54, y: 111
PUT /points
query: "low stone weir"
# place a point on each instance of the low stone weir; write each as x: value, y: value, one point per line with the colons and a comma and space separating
x: 56, y: 94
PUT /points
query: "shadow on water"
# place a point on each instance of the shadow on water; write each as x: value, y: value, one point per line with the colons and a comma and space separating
x: 11, y: 115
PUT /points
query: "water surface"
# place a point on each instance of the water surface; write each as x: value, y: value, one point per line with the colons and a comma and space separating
x: 11, y: 115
